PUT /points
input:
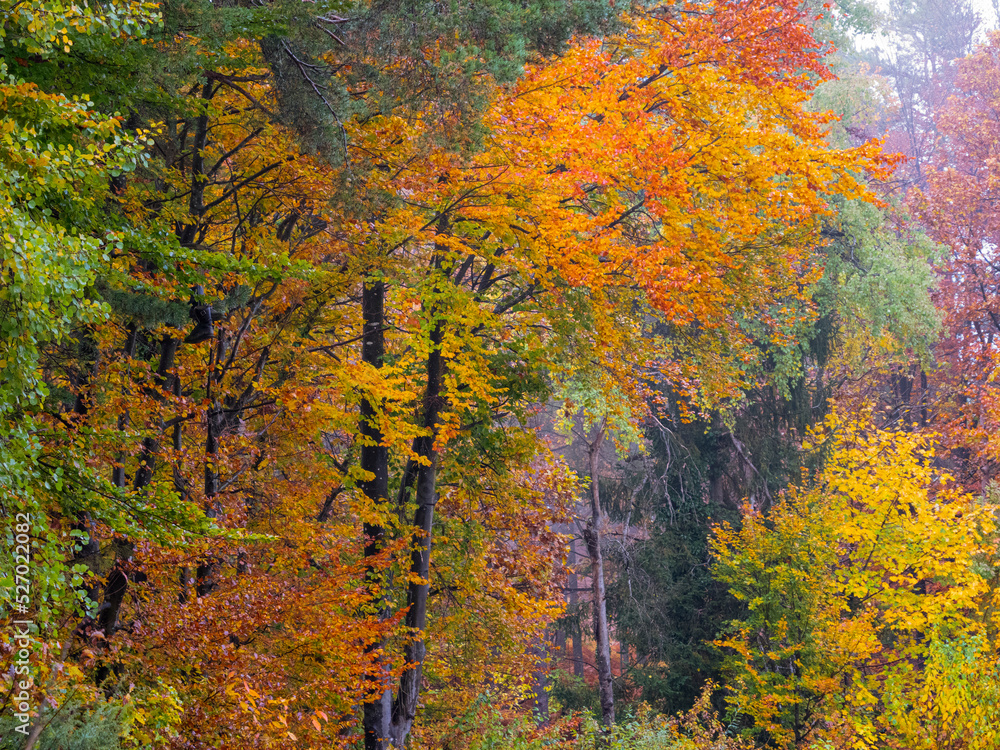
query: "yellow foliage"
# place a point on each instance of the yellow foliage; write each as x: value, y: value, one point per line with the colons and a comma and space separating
x: 868, y: 605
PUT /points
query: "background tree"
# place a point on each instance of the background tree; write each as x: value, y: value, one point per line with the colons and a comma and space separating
x: 957, y: 208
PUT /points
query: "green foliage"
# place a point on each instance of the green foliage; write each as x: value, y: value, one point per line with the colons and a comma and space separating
x: 89, y: 720
x: 697, y: 729
x: 58, y: 155
x: 877, y: 281
x: 573, y: 694
x: 56, y: 237
x: 41, y: 27
x: 78, y: 724
x: 145, y: 309
x: 498, y: 35
x: 696, y: 475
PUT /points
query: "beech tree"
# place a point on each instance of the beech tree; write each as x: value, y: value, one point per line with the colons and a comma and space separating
x: 958, y: 209
x: 850, y: 582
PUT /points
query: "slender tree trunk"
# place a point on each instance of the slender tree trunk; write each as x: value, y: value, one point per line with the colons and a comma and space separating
x: 89, y: 553
x: 375, y: 461
x: 205, y: 572
x: 923, y: 398
x: 180, y: 484
x: 404, y: 709
x: 557, y: 650
x: 389, y: 720
x: 188, y: 233
x: 118, y: 472
x: 151, y: 445
x: 33, y: 735
x: 592, y: 536
x: 573, y: 581
x: 36, y: 729
x: 116, y: 585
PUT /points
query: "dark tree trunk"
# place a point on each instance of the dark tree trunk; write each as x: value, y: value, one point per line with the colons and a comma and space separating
x: 116, y: 585
x: 188, y: 234
x: 151, y: 445
x: 118, y: 472
x: 184, y: 574
x: 89, y: 553
x: 205, y: 573
x: 375, y: 461
x: 404, y: 709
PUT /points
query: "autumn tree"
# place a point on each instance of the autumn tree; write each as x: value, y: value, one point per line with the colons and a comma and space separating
x: 957, y: 208
x: 866, y: 600
x: 704, y: 360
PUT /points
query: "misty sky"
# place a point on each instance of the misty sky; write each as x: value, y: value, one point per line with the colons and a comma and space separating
x: 986, y: 12
x: 984, y: 7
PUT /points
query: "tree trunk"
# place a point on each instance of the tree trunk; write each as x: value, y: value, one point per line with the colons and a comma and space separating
x: 188, y: 233
x: 404, y: 710
x: 116, y: 585
x: 592, y: 536
x: 180, y: 485
x: 118, y: 472
x: 574, y: 599
x: 559, y: 643
x: 151, y: 445
x: 375, y: 461
x: 36, y: 729
x: 89, y: 553
x: 205, y: 572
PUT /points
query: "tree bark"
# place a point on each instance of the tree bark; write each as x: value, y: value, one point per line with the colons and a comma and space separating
x: 118, y: 472
x: 574, y: 599
x: 188, y: 233
x: 116, y: 585
x: 375, y: 461
x: 404, y: 709
x: 205, y: 572
x: 151, y: 445
x: 592, y: 537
